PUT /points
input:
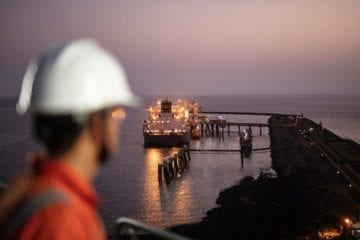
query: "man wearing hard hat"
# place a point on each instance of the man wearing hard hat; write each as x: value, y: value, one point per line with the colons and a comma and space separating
x: 74, y: 93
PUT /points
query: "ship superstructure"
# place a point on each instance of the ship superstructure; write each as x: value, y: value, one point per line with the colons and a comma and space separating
x: 167, y: 124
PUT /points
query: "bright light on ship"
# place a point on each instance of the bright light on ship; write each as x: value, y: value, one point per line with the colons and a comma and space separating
x: 187, y: 114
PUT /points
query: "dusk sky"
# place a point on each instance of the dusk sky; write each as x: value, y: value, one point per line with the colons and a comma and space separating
x: 197, y: 47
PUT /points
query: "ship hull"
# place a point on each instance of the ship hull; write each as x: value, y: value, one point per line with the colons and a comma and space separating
x: 170, y: 140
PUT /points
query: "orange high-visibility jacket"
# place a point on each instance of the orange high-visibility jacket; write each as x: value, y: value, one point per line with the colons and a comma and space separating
x: 73, y: 216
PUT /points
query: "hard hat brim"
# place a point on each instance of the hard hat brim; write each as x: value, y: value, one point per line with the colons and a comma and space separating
x: 134, y: 101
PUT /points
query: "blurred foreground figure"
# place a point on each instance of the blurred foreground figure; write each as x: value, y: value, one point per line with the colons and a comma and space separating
x: 74, y: 93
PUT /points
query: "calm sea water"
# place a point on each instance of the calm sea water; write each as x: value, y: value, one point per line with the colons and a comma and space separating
x: 128, y: 184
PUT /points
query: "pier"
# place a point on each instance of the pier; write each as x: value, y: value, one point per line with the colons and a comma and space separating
x: 317, y: 176
x: 248, y: 113
x: 225, y: 150
x: 216, y: 128
x: 309, y: 133
x: 173, y: 166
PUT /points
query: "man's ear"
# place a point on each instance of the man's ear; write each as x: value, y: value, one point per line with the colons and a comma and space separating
x: 97, y: 129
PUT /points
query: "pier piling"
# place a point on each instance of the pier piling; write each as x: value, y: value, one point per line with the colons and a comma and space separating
x: 218, y: 128
x: 242, y: 158
x: 174, y: 166
x: 160, y: 173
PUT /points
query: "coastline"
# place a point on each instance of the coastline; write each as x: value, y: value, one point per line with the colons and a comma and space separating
x: 305, y: 200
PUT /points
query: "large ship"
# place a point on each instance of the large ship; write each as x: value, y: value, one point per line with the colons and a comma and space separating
x: 168, y: 124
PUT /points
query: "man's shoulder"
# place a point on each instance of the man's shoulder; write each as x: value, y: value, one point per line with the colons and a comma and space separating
x: 54, y: 221
x: 43, y: 214
x: 52, y: 204
x: 61, y: 220
x: 57, y: 212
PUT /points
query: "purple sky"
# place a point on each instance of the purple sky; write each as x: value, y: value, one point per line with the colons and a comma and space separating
x: 198, y: 46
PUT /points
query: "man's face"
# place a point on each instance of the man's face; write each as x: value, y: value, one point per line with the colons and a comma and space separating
x: 112, y: 128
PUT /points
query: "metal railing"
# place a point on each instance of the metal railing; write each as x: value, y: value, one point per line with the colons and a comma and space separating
x: 131, y: 227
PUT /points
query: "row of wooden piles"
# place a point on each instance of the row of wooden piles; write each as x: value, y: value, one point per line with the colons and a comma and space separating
x: 174, y: 166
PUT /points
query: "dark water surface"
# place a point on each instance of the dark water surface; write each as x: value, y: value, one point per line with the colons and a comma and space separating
x: 128, y: 184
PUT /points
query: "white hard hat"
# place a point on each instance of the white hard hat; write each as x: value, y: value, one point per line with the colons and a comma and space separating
x: 74, y: 78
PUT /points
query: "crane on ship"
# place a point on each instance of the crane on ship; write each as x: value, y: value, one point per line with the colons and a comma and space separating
x: 194, y: 105
x: 194, y: 120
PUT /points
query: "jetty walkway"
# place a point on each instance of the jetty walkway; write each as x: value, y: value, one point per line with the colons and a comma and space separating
x: 303, y: 129
x: 174, y: 166
x: 247, y: 113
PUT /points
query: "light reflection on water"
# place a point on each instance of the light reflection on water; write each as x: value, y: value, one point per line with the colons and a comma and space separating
x: 160, y: 203
x: 128, y: 184
x: 189, y: 197
x: 136, y: 192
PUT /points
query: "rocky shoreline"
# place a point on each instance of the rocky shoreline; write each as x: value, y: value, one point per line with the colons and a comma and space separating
x: 305, y: 200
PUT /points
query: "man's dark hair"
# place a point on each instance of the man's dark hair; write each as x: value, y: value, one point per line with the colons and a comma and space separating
x: 58, y: 133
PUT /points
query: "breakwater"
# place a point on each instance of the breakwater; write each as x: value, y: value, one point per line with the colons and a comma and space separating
x: 307, y: 198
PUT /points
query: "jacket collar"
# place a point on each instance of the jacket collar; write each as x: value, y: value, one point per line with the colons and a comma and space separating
x: 71, y: 180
